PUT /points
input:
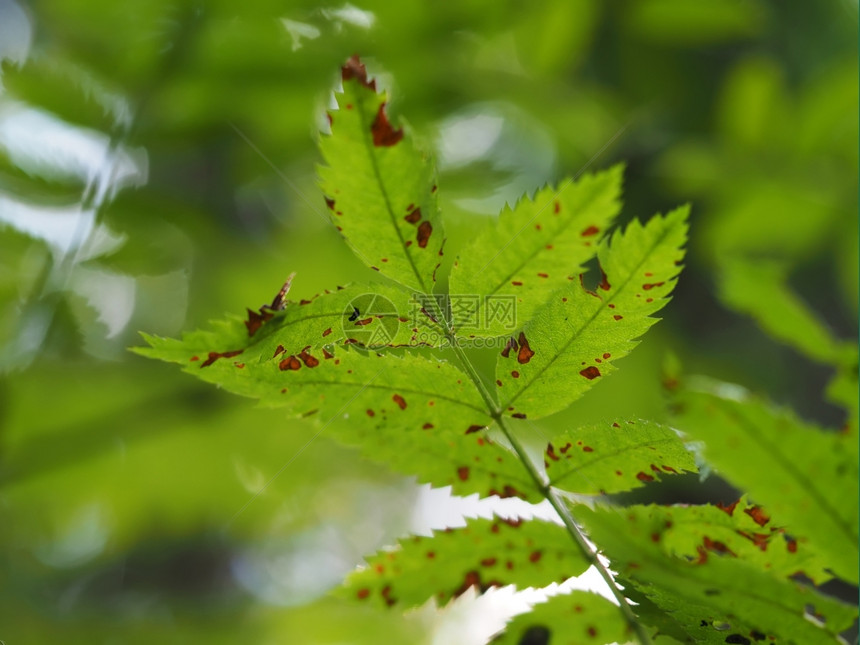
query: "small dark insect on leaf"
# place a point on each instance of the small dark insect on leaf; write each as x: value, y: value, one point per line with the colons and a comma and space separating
x: 355, y: 314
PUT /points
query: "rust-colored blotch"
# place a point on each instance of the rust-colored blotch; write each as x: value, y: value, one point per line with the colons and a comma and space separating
x: 591, y: 372
x: 383, y: 134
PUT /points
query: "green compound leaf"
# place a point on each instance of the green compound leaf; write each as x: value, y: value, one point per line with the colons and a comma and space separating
x: 714, y: 594
x: 380, y: 189
x: 800, y: 473
x: 793, y: 468
x: 411, y: 413
x: 615, y: 457
x: 759, y: 289
x: 572, y: 341
x: 484, y: 554
x: 578, y: 618
x: 530, y: 251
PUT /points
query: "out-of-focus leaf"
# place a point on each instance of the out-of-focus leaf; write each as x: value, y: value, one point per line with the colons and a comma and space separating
x: 713, y: 590
x: 759, y: 289
x: 793, y: 468
x: 578, y: 618
x: 484, y: 554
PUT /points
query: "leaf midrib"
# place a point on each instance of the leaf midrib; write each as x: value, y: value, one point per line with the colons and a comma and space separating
x: 369, y: 146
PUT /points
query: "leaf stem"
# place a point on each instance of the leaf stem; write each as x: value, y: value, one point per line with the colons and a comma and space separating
x: 549, y: 492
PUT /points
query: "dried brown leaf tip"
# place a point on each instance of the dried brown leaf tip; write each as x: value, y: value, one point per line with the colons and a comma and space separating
x: 354, y: 68
x: 265, y: 312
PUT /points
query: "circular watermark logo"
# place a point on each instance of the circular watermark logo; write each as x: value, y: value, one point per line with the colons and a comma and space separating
x: 371, y: 321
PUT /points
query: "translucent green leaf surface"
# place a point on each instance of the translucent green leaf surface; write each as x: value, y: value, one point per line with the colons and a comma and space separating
x: 380, y: 190
x: 573, y: 340
x: 410, y: 413
x: 532, y: 250
x: 578, y: 618
x: 615, y: 457
x: 484, y: 554
x: 800, y: 473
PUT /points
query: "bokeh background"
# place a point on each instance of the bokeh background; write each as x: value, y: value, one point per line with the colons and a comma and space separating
x: 157, y: 169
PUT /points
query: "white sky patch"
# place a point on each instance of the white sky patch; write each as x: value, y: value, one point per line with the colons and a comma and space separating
x: 350, y: 15
x: 16, y: 33
x: 465, y: 139
x: 299, y: 31
x: 83, y: 538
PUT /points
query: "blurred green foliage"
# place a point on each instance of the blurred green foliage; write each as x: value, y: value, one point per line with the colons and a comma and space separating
x: 157, y: 168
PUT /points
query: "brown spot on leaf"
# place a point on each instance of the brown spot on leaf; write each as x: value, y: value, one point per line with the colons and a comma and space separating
x: 488, y: 562
x: 371, y: 413
x: 473, y: 428
x: 330, y: 203
x: 414, y: 216
x: 425, y: 228
x: 214, y: 356
x: 728, y: 509
x: 515, y: 374
x: 516, y: 283
x: 463, y: 473
x: 518, y: 415
x: 194, y: 358
x: 550, y: 452
x: 510, y: 345
x: 604, y: 283
x: 363, y: 593
x: 307, y: 359
x: 617, y: 317
x: 717, y: 547
x: 400, y: 401
x: 386, y: 596
x: 525, y: 354
x: 543, y: 275
x: 278, y: 350
x: 758, y: 515
x: 427, y: 426
x: 591, y: 230
x: 498, y: 382
x: 591, y: 372
x: 535, y: 556
x: 383, y: 134
x: 256, y: 320
x: 650, y: 286
x: 556, y: 207
x: 791, y: 544
x: 587, y: 449
x: 644, y: 477
x: 326, y: 332
x: 365, y: 321
x: 290, y: 363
